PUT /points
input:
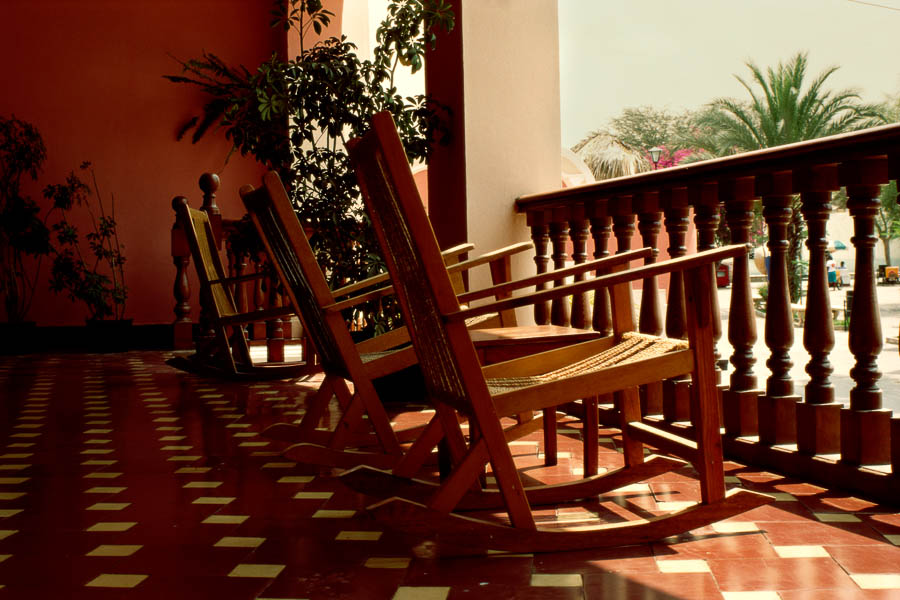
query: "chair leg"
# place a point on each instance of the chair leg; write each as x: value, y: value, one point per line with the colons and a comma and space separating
x: 704, y: 395
x: 551, y: 446
x: 590, y: 436
x: 629, y: 405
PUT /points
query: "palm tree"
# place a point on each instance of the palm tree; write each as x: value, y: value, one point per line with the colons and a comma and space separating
x: 608, y: 156
x: 781, y: 110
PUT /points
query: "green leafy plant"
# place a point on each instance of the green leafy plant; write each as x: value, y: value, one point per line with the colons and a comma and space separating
x: 96, y: 278
x: 294, y: 116
x: 23, y: 232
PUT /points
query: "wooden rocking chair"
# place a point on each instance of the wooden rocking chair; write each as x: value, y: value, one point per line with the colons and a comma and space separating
x: 459, y: 386
x: 231, y: 354
x: 343, y: 361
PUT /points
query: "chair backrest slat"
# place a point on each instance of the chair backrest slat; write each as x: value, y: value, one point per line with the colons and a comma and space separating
x: 293, y: 258
x: 423, y: 287
x: 198, y: 231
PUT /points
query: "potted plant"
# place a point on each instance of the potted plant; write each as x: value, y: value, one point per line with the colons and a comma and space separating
x: 24, y: 236
x: 295, y: 115
x: 95, y: 277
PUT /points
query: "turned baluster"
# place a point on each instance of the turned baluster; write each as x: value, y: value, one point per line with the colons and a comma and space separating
x: 706, y: 219
x: 601, y: 229
x: 894, y: 174
x: 623, y: 223
x: 274, y: 329
x: 258, y: 329
x: 676, y: 392
x: 739, y: 401
x: 578, y: 232
x: 209, y: 185
x: 649, y: 225
x: 181, y: 257
x: 559, y: 239
x: 540, y: 236
x: 865, y: 426
x: 777, y: 408
x: 818, y: 417
x: 237, y: 264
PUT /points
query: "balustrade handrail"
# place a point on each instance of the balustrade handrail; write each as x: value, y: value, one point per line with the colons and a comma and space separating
x: 876, y: 141
x: 769, y: 424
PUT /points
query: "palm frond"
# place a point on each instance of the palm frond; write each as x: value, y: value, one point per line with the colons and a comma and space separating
x: 607, y: 156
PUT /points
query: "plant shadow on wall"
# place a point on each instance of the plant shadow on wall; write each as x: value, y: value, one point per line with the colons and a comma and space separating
x: 95, y: 278
x: 294, y: 116
x: 26, y: 236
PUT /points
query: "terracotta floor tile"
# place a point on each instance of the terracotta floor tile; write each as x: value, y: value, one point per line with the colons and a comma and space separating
x: 817, y: 532
x: 842, y: 594
x: 779, y: 574
x: 651, y: 586
x: 744, y: 545
x: 132, y: 406
x: 882, y: 558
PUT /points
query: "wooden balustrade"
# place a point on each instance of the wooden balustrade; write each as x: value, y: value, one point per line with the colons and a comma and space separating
x: 768, y: 419
x: 256, y: 294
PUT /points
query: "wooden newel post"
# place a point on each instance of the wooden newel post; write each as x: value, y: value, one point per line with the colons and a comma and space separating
x: 865, y: 426
x: 182, y: 338
x: 739, y: 401
x: 777, y: 407
x: 818, y: 417
x: 209, y: 185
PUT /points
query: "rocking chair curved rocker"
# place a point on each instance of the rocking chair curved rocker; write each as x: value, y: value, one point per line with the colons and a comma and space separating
x: 460, y: 387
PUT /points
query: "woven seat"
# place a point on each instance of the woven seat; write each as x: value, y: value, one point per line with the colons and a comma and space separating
x: 633, y: 347
x: 367, y: 357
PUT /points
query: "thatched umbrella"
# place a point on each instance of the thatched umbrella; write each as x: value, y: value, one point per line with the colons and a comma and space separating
x: 607, y: 156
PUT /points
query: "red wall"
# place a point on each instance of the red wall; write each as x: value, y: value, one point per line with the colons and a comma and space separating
x: 88, y: 74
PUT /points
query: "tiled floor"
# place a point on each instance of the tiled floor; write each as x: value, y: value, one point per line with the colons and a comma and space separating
x: 122, y: 477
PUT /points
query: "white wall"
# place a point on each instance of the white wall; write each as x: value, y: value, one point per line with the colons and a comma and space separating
x: 511, y: 62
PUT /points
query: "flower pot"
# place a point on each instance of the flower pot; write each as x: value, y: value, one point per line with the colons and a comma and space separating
x: 108, y: 335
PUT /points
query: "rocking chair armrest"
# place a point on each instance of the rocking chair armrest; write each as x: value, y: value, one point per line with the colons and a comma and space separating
x: 453, y: 253
x: 681, y: 263
x: 238, y: 278
x: 257, y: 315
x: 360, y: 285
x: 495, y: 255
x: 356, y: 300
x: 449, y: 254
x: 506, y: 288
x: 386, y: 341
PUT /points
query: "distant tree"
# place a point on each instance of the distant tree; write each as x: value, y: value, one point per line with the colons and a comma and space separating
x: 887, y: 220
x: 645, y: 126
x: 782, y: 109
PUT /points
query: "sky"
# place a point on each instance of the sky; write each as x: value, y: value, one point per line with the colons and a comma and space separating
x: 681, y: 54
